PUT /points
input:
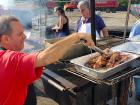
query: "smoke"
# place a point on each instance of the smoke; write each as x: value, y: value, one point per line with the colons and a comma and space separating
x: 7, y: 4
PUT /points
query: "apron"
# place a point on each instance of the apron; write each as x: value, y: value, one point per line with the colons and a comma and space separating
x: 86, y: 28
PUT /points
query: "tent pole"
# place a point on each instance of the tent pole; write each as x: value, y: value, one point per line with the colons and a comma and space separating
x: 92, y: 8
x: 126, y: 22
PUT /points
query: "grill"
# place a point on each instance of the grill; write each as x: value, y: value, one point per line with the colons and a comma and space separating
x: 67, y: 86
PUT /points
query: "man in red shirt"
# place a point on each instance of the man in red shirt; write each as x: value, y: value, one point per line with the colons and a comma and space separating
x: 17, y: 69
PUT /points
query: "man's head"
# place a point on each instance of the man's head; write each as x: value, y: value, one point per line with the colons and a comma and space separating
x: 11, y: 33
x: 84, y: 8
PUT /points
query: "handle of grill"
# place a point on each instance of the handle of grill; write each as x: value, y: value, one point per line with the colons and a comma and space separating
x: 53, y: 83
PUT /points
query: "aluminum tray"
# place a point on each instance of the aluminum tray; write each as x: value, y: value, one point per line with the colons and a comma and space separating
x: 103, y: 72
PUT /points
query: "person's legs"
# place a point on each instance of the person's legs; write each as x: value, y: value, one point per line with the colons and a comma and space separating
x: 31, y: 96
x: 62, y: 34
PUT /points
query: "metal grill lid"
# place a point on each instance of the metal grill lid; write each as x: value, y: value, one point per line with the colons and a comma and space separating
x: 132, y: 47
x: 135, y: 38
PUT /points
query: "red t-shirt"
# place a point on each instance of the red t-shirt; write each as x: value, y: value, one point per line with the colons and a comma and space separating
x: 17, y: 71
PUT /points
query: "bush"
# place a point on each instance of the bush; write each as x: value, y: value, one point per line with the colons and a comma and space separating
x: 123, y: 4
x: 61, y: 2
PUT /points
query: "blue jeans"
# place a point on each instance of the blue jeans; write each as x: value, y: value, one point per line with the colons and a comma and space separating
x: 62, y: 34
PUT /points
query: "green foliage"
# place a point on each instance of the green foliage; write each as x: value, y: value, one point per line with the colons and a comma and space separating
x: 135, y: 1
x: 123, y: 3
x: 61, y: 2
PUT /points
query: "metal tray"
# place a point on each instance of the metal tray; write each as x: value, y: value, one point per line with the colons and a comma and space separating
x: 101, y: 73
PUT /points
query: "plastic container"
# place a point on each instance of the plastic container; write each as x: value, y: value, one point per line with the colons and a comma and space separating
x: 137, y: 84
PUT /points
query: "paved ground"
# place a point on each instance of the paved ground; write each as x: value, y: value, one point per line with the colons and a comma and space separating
x: 33, y: 43
x: 112, y: 20
x: 45, y: 101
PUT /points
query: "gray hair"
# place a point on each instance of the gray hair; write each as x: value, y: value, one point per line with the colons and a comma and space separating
x: 84, y: 3
x: 5, y: 27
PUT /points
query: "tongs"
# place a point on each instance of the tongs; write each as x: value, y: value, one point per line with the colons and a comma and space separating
x: 95, y: 48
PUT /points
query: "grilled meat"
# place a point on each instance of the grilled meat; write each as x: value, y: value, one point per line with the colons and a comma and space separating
x: 108, y: 60
x: 115, y: 57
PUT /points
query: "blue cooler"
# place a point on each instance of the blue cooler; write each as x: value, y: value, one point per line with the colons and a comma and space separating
x: 137, y: 84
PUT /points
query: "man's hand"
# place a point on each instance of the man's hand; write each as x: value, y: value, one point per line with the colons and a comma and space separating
x: 87, y: 38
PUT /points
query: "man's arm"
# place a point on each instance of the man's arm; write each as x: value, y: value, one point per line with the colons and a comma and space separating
x: 105, y: 32
x: 102, y: 27
x: 56, y: 50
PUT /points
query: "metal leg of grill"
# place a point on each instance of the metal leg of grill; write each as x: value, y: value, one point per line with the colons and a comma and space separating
x: 122, y: 92
x: 93, y: 103
x: 113, y: 94
x: 123, y: 96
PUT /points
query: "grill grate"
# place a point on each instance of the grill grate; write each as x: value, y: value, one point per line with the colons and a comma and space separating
x: 110, y: 80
